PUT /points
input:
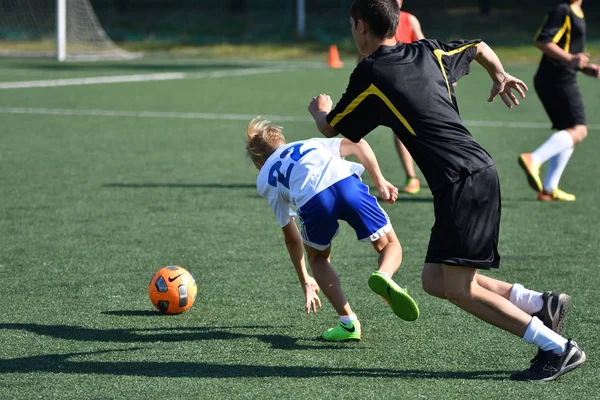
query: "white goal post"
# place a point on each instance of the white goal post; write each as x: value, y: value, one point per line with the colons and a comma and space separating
x: 66, y: 29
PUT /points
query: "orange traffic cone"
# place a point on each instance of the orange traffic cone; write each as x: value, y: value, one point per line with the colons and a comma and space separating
x: 334, y: 58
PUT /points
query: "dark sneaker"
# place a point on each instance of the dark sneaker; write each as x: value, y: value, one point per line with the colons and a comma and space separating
x: 554, y: 312
x: 547, y: 366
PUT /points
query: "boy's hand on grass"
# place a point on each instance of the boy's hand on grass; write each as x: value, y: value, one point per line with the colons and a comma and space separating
x: 311, y: 295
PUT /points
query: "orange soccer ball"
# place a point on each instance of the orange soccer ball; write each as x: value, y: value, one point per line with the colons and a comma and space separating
x: 172, y: 290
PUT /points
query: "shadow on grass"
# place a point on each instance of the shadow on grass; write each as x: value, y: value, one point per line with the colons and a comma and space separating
x: 62, y: 363
x: 412, y: 199
x: 182, y: 185
x: 134, y: 313
x: 175, y: 334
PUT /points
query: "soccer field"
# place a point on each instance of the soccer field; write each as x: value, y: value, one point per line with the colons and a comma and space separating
x: 110, y: 171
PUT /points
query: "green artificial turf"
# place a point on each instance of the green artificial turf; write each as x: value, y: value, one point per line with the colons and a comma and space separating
x: 92, y: 205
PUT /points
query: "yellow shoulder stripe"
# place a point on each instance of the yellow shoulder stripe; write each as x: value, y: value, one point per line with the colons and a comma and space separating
x: 372, y: 90
x: 439, y: 53
x: 565, y: 30
x: 577, y: 12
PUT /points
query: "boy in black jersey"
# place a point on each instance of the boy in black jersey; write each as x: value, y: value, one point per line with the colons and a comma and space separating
x: 562, y: 39
x: 408, y: 87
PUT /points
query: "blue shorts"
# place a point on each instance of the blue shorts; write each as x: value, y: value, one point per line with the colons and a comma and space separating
x: 347, y: 200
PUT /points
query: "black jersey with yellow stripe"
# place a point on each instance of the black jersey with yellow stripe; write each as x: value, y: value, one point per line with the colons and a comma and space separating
x: 408, y: 88
x: 564, y: 26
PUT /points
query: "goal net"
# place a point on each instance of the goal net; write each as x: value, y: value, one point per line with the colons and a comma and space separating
x: 66, y: 29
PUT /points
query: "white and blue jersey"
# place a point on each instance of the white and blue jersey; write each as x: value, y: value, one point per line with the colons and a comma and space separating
x: 311, y: 176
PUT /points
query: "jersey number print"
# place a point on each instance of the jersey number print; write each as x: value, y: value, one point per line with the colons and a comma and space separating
x: 276, y: 175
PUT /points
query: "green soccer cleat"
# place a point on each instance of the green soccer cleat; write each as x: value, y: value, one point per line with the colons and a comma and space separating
x: 399, y: 301
x: 343, y: 332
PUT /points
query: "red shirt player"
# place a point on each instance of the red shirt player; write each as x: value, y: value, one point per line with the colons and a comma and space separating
x: 409, y: 28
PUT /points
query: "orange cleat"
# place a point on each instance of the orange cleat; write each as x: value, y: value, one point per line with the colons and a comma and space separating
x: 532, y: 170
x: 412, y: 185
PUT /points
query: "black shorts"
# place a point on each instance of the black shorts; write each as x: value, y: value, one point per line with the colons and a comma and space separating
x: 562, y: 101
x: 467, y: 222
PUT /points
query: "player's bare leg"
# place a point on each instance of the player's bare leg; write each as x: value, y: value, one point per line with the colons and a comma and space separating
x: 460, y: 286
x: 433, y: 282
x: 550, y: 307
x: 462, y: 289
x: 390, y: 258
x: 328, y: 279
x: 349, y: 327
x: 556, y: 354
x: 390, y: 253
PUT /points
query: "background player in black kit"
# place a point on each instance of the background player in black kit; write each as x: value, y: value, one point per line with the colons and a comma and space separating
x: 408, y: 87
x: 562, y: 39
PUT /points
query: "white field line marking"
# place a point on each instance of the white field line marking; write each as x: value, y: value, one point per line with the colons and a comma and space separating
x: 233, y: 117
x: 140, y: 78
x: 144, y: 114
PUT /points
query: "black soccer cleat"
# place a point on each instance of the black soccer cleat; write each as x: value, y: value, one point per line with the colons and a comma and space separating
x: 547, y: 366
x: 554, y: 312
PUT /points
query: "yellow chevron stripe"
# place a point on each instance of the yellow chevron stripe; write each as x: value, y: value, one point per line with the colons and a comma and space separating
x: 372, y: 90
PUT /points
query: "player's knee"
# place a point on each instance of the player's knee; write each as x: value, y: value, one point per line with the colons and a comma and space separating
x: 578, y: 133
x: 458, y: 295
x: 431, y: 283
x: 380, y: 244
x: 314, y: 259
x: 395, y: 247
x: 583, y: 132
x: 388, y: 241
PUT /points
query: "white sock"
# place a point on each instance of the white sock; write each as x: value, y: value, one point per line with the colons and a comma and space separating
x: 545, y: 338
x: 556, y: 166
x: 383, y: 273
x: 346, y: 319
x: 555, y: 144
x: 527, y: 300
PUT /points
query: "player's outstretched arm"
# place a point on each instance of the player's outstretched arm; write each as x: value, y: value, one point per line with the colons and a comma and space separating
x: 293, y: 242
x: 319, y: 107
x: 365, y: 155
x: 504, y: 83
